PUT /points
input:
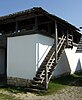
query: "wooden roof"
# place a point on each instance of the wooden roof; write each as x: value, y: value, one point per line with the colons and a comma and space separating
x: 35, y: 11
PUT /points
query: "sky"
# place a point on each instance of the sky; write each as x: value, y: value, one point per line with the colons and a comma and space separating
x: 69, y: 10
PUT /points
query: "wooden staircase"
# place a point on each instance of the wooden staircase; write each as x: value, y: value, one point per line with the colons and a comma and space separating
x: 79, y: 48
x: 45, y: 72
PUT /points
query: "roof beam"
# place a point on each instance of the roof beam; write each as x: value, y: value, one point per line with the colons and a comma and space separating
x: 19, y: 18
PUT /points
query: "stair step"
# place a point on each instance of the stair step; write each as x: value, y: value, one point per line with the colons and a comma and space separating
x: 69, y: 46
x: 51, y: 52
x: 41, y: 69
x: 80, y: 43
x: 79, y: 49
x: 81, y: 38
x: 41, y: 87
x: 38, y: 82
x: 51, y: 69
x: 37, y: 78
x: 44, y: 63
x: 35, y: 90
x: 53, y: 48
x: 47, y: 58
x: 54, y: 64
x: 38, y: 75
x: 48, y: 55
x: 40, y: 72
x: 49, y: 63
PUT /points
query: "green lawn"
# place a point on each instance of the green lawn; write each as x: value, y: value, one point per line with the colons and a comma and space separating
x: 64, y: 81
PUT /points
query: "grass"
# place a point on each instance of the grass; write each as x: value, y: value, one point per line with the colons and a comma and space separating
x: 9, y: 94
x: 14, y: 90
x: 63, y: 81
x: 54, y: 87
x: 7, y: 97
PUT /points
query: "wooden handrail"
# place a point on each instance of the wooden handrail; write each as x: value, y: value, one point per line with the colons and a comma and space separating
x: 61, y: 45
x: 60, y: 41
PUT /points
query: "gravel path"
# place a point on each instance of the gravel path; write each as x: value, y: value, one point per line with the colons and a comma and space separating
x: 69, y: 93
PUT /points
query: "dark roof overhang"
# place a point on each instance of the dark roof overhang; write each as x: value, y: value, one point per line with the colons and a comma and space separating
x: 37, y: 10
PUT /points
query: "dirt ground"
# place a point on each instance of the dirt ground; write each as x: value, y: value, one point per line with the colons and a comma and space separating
x: 68, y: 93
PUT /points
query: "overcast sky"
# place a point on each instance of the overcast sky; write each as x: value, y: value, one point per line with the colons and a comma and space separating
x: 69, y: 10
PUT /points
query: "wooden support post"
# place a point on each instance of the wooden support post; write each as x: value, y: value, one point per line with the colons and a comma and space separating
x: 72, y: 37
x: 36, y: 24
x: 46, y: 78
x: 16, y: 27
x: 37, y: 56
x: 67, y: 38
x: 56, y: 41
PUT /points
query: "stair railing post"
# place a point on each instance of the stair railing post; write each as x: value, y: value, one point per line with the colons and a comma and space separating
x: 67, y: 39
x: 46, y: 78
x: 72, y: 38
x: 37, y: 56
x: 56, y: 41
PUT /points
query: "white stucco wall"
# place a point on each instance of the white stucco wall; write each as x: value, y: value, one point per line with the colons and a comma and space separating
x: 23, y: 54
x: 26, y: 53
x: 70, y: 62
x: 44, y: 44
x: 73, y: 59
x: 62, y: 66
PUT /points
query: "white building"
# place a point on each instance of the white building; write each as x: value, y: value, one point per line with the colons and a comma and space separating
x: 37, y: 42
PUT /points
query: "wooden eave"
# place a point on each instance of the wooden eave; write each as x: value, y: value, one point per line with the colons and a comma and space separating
x: 19, y: 18
x: 31, y: 13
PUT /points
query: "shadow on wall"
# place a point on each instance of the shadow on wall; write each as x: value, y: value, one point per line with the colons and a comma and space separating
x: 63, y: 66
x: 70, y: 79
x: 70, y: 63
x: 78, y: 66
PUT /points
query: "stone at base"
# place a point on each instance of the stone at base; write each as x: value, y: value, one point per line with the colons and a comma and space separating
x: 14, y: 81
